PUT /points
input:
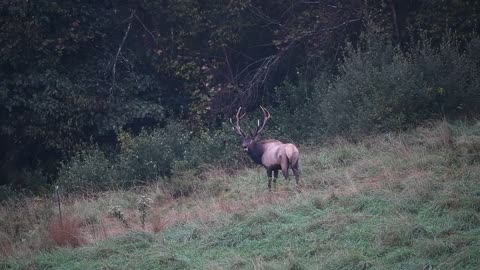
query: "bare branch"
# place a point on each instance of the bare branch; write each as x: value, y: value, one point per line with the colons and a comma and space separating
x: 145, y: 27
x: 336, y: 27
x: 256, y: 73
x: 395, y: 20
x: 114, y: 68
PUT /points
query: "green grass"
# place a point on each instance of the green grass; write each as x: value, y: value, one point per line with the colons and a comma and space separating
x: 402, y: 201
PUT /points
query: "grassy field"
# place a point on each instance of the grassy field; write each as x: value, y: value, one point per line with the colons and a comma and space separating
x: 395, y: 201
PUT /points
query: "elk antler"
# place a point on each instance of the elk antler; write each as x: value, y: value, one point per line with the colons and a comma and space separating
x: 236, y: 127
x: 266, y: 116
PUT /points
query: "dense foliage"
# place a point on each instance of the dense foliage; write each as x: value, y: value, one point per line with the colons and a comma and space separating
x: 150, y: 156
x: 110, y: 75
x: 381, y: 88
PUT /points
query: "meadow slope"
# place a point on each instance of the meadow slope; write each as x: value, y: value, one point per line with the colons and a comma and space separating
x: 395, y: 201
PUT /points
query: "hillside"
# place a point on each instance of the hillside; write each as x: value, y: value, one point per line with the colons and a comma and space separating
x: 395, y: 201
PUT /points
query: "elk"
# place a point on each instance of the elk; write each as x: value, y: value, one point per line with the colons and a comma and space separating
x: 273, y: 155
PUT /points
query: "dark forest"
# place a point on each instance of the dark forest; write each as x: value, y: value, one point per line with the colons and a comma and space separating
x: 102, y: 92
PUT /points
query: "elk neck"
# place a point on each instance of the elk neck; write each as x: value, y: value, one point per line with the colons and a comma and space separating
x: 256, y: 152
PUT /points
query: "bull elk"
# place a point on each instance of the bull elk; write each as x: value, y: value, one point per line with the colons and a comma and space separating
x: 271, y: 154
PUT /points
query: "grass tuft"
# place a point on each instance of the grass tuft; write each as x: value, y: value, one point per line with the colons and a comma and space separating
x: 399, y: 232
x: 66, y: 232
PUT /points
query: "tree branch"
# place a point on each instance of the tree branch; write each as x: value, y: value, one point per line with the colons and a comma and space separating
x: 145, y: 27
x: 114, y: 68
x: 395, y: 20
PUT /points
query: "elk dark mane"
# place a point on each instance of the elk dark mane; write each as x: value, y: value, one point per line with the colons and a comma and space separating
x: 256, y: 153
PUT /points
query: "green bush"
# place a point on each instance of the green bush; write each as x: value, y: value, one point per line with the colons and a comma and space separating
x: 449, y: 74
x: 151, y: 156
x: 298, y: 116
x: 378, y: 89
x: 147, y: 157
x: 89, y: 169
x: 382, y: 88
x: 217, y: 147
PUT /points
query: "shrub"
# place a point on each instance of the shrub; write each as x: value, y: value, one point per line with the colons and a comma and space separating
x: 377, y: 90
x: 151, y: 155
x: 87, y: 169
x: 143, y: 206
x: 163, y: 152
x: 217, y: 147
x: 449, y: 74
x: 381, y: 88
x: 298, y: 116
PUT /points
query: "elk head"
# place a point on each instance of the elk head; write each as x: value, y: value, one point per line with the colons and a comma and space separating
x: 249, y: 140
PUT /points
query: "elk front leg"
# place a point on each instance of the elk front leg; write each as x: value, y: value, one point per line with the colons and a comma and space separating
x: 269, y: 174
x: 275, y: 176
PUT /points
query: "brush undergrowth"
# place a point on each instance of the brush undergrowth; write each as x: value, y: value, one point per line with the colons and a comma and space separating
x: 395, y: 201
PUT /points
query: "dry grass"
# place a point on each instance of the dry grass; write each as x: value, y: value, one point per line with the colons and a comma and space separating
x: 159, y: 224
x: 208, y: 210
x: 23, y: 225
x: 66, y: 232
x: 89, y: 221
x: 6, y: 246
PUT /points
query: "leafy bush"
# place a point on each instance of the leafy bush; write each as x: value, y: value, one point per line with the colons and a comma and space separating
x: 87, y: 169
x: 380, y: 88
x: 377, y: 90
x: 449, y: 74
x: 219, y: 147
x: 150, y: 156
x: 206, y: 149
x: 299, y: 117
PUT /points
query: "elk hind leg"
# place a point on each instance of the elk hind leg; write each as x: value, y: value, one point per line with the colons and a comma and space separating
x: 296, y: 172
x: 284, y: 166
x: 275, y: 176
